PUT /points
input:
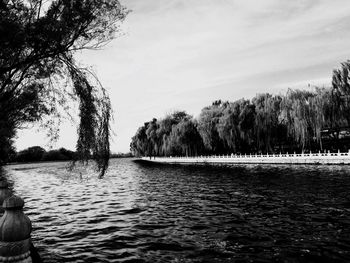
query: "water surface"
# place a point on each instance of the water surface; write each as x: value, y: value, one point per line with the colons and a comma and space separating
x: 174, y: 213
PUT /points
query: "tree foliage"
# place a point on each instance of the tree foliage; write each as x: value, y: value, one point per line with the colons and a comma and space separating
x: 38, y: 154
x: 176, y: 134
x: 207, y: 125
x: 295, y: 121
x: 39, y: 75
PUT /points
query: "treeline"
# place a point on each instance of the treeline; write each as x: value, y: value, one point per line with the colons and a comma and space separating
x: 38, y: 154
x: 121, y: 155
x: 296, y: 121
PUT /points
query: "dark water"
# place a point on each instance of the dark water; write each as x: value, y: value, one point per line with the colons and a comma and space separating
x: 150, y: 213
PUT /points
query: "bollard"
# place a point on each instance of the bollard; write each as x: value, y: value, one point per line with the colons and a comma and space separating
x: 5, y: 192
x: 15, y: 229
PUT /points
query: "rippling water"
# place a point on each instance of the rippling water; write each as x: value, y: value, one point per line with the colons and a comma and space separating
x: 169, y: 213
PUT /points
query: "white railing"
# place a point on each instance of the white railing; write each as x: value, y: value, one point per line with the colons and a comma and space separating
x: 280, y: 155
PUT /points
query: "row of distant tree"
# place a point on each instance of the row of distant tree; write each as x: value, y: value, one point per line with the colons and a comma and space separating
x: 121, y: 155
x: 39, y: 154
x: 296, y: 121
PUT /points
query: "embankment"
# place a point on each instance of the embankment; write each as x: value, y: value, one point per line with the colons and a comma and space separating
x: 303, y: 158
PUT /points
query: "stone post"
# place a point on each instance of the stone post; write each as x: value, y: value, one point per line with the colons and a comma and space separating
x: 4, y: 193
x: 15, y: 229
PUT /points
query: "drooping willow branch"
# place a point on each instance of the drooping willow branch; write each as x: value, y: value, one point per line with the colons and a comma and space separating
x: 95, y: 116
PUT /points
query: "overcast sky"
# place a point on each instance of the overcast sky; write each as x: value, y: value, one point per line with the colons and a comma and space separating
x: 184, y: 54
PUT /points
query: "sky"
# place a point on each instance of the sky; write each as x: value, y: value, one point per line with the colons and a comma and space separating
x: 185, y: 54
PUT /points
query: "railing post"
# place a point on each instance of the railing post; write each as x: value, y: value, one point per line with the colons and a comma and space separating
x: 15, y: 229
x: 4, y: 194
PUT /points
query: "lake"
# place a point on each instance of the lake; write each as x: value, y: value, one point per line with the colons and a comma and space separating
x: 171, y: 213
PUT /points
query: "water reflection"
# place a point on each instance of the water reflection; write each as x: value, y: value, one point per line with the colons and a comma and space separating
x: 174, y: 213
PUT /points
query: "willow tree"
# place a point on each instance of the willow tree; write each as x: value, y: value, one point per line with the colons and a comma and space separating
x: 208, y: 126
x: 37, y: 47
x: 166, y: 142
x: 296, y: 115
x: 140, y: 145
x: 340, y: 96
x: 152, y: 136
x: 246, y: 126
x: 320, y: 112
x: 235, y: 126
x: 267, y: 127
x: 227, y: 126
x: 163, y: 132
x: 185, y: 138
